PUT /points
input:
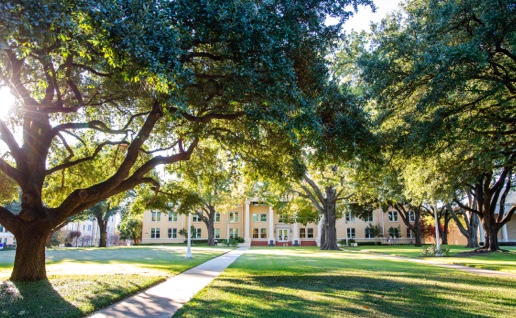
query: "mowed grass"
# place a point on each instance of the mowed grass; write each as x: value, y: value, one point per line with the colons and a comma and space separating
x: 305, y: 282
x: 82, y: 280
x: 459, y: 255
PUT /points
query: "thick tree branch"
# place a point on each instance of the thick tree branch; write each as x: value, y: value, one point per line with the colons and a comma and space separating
x: 8, y: 138
x: 70, y: 151
x: 314, y: 187
x: 11, y: 172
x: 312, y: 198
x: 99, y: 125
x: 209, y: 117
x: 78, y: 161
x: 9, y: 220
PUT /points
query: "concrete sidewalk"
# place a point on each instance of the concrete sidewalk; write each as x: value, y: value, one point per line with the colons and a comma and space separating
x: 165, y: 299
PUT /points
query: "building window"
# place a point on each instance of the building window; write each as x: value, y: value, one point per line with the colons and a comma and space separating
x: 302, y: 232
x: 263, y: 217
x: 233, y: 233
x: 255, y: 217
x: 233, y: 217
x: 217, y: 233
x: 393, y: 216
x: 89, y: 227
x: 255, y: 233
x: 368, y: 233
x: 412, y: 216
x: 196, y: 218
x: 282, y: 219
x: 351, y: 233
x: 172, y: 216
x: 410, y: 234
x: 217, y: 217
x: 197, y: 233
x: 350, y: 217
x: 1, y: 228
x: 154, y: 232
x: 84, y: 227
x: 310, y: 233
x: 156, y: 216
x: 172, y: 233
x: 263, y: 233
x: 368, y: 217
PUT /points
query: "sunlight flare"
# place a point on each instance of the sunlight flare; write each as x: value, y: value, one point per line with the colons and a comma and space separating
x: 6, y: 102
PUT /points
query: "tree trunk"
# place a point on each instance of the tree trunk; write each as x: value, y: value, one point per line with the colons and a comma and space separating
x: 417, y: 234
x: 29, y: 262
x: 48, y: 241
x: 209, y: 221
x: 491, y: 234
x: 211, y: 228
x: 323, y: 233
x: 330, y: 220
x: 472, y: 231
x: 417, y: 228
x: 103, y: 232
x: 444, y: 232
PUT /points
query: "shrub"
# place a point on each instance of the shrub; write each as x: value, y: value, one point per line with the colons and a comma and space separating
x: 231, y: 242
x: 432, y: 250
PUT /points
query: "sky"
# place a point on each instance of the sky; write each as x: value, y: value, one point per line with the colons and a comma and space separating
x: 362, y: 19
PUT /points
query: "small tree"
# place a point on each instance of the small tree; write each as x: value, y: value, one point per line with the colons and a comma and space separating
x: 395, y: 232
x: 184, y: 232
x: 131, y: 229
x: 375, y: 230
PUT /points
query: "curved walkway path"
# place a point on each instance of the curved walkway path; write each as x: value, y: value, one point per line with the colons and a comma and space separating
x: 164, y: 299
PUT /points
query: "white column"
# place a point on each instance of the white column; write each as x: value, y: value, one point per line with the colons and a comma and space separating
x: 481, y: 228
x: 319, y: 231
x: 247, y: 228
x: 296, y: 234
x: 505, y: 235
x: 189, y: 240
x: 270, y: 233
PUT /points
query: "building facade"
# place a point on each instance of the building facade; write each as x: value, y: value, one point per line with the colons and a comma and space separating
x: 6, y: 237
x: 90, y: 234
x: 259, y: 225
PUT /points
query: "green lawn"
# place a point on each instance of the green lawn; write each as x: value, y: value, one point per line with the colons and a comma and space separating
x: 305, y: 282
x: 500, y: 261
x: 82, y: 280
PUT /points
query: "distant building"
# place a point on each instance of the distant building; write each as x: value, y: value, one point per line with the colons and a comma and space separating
x: 90, y: 234
x: 6, y: 237
x: 260, y: 225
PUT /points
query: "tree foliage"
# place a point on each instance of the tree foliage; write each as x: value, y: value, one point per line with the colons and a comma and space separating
x: 441, y: 74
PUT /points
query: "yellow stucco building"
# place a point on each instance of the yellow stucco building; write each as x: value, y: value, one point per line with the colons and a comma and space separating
x: 259, y: 225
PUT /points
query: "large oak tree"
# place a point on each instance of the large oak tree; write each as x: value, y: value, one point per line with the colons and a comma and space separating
x: 443, y: 76
x: 147, y: 79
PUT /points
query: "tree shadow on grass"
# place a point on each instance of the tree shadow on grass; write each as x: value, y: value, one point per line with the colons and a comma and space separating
x: 341, y: 296
x: 34, y: 299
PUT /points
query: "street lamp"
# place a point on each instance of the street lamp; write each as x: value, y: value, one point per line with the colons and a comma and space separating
x: 437, y: 244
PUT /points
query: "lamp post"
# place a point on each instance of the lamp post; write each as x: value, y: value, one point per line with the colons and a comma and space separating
x: 189, y: 240
x: 437, y: 244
